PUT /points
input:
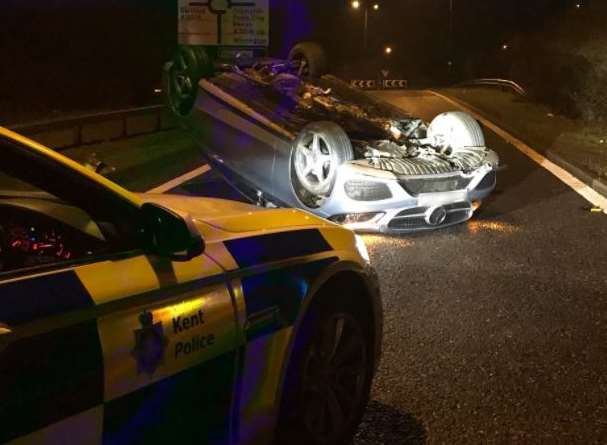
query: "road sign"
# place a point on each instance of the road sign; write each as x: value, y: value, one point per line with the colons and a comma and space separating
x: 224, y: 22
x: 364, y: 84
x: 395, y: 83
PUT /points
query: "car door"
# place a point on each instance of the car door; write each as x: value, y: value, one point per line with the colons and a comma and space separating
x: 238, y: 139
x: 114, y: 346
x: 156, y: 363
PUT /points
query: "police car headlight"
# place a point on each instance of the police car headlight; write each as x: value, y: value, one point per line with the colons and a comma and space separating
x: 362, y: 248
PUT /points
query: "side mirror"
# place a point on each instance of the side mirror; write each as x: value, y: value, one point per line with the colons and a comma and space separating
x: 170, y: 235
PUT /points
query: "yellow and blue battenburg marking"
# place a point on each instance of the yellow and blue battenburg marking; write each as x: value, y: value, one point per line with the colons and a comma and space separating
x: 137, y: 351
x: 273, y: 298
x: 53, y: 375
x: 279, y: 246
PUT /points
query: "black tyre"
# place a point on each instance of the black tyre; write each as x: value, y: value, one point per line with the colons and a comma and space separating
x: 329, y: 377
x: 311, y: 58
x: 181, y: 77
x: 317, y: 153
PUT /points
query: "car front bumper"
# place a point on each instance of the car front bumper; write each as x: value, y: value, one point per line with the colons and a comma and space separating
x: 441, y: 201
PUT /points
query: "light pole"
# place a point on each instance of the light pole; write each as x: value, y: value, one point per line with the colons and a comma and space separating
x: 356, y: 4
x: 451, y: 41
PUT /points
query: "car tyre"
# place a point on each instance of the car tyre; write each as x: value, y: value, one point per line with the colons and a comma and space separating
x: 181, y: 77
x: 318, y: 151
x: 311, y: 57
x: 328, y: 380
x: 456, y: 130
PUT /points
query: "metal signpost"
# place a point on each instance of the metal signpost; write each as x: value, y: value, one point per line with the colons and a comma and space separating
x: 211, y: 33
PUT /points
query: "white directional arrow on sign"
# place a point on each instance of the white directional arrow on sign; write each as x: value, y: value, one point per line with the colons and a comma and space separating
x: 395, y: 83
x: 364, y: 84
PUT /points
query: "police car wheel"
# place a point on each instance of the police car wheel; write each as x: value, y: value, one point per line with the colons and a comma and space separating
x: 329, y: 378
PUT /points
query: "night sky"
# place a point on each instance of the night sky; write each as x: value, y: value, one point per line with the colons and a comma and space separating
x: 93, y: 51
x: 417, y: 29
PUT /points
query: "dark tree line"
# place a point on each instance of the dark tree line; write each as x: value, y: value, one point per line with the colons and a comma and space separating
x: 80, y: 54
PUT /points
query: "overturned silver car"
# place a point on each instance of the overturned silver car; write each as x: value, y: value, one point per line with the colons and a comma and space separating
x: 286, y: 134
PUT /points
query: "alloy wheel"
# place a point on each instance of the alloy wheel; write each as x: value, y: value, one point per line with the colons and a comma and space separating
x: 334, y: 377
x: 314, y: 163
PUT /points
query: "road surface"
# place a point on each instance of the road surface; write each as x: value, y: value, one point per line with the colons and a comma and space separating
x: 496, y: 330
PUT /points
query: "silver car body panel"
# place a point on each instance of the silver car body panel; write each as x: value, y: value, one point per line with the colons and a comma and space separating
x: 251, y: 142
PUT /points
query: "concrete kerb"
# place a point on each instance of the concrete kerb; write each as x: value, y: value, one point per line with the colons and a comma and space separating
x: 585, y: 177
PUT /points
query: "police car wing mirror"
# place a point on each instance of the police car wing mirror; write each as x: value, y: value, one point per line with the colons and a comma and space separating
x: 169, y: 234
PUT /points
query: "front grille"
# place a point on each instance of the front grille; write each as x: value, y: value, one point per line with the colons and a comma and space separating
x: 488, y: 181
x: 416, y: 211
x: 415, y: 223
x: 417, y: 186
x: 414, y: 219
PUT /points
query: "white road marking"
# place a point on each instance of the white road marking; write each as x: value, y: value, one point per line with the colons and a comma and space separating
x: 173, y: 183
x: 587, y: 192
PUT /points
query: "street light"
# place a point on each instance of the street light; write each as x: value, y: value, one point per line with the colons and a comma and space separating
x: 356, y: 4
x: 388, y: 50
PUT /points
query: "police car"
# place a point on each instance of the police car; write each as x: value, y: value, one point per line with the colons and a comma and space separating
x: 163, y: 319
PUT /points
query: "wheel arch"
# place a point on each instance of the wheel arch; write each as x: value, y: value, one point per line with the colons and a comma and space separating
x: 363, y: 281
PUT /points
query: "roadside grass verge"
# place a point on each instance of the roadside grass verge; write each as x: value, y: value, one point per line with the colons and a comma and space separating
x: 580, y: 144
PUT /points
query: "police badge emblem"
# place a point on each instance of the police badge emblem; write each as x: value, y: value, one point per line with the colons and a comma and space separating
x: 150, y: 344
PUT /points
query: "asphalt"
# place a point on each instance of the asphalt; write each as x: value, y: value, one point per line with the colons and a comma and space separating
x: 143, y: 162
x: 495, y: 330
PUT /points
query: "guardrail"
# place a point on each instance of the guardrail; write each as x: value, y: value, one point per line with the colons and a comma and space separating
x: 98, y: 127
x: 501, y: 83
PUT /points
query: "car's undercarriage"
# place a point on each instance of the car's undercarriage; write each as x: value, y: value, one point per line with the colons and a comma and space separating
x: 315, y: 142
x: 380, y: 137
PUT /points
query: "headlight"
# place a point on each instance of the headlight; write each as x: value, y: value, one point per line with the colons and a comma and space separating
x: 360, y: 190
x: 349, y: 219
x: 362, y: 248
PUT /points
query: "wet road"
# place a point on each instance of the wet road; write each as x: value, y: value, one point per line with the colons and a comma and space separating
x: 496, y: 330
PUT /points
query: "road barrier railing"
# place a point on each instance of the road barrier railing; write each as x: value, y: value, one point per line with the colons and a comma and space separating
x: 504, y: 84
x: 98, y: 127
